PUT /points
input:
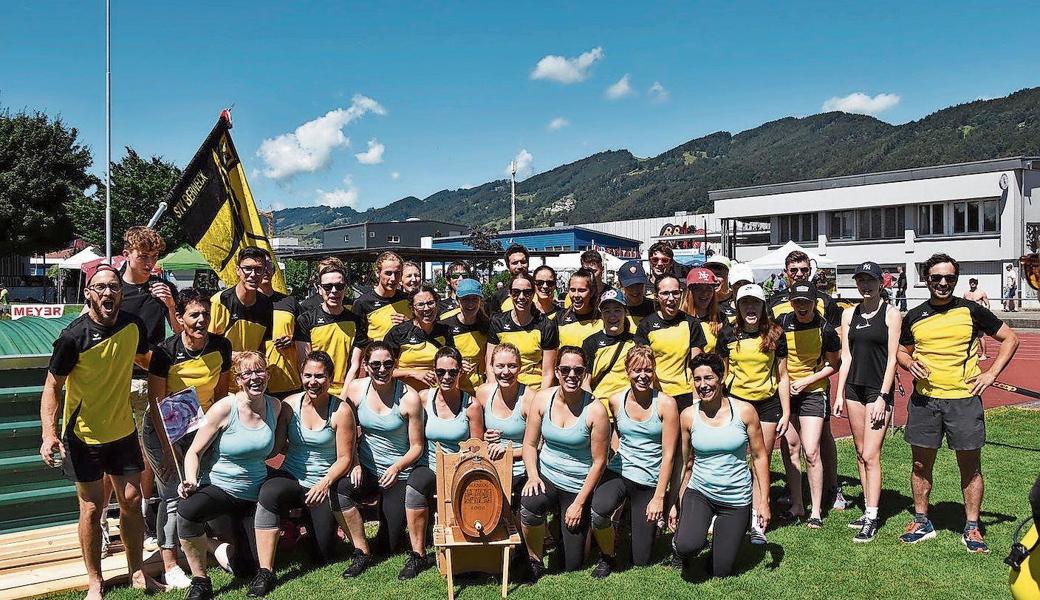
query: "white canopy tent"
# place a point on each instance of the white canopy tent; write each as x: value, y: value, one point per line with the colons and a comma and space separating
x: 764, y: 266
x: 76, y: 260
x: 565, y: 264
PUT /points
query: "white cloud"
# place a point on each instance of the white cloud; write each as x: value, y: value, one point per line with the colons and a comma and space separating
x: 658, y: 93
x: 374, y: 154
x: 619, y: 90
x: 566, y: 70
x: 310, y: 146
x: 395, y: 175
x: 861, y: 103
x: 340, y: 197
x: 557, y: 124
x: 523, y: 162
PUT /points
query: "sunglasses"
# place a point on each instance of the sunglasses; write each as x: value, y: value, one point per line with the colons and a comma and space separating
x: 545, y: 282
x: 329, y: 287
x: 940, y: 278
x: 670, y: 293
x: 660, y: 261
x: 799, y: 269
x: 449, y: 372
x: 518, y: 293
x: 458, y: 275
x: 566, y: 371
x: 376, y: 365
x: 428, y: 304
x: 252, y: 270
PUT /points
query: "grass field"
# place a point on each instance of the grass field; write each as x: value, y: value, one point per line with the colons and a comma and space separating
x: 798, y: 562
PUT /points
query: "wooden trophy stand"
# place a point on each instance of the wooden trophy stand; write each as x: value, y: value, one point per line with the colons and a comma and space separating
x: 473, y: 514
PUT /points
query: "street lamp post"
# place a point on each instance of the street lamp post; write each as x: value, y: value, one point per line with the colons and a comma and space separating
x: 512, y: 193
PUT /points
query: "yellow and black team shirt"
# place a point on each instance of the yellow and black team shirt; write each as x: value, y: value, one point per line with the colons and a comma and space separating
x: 945, y: 339
x: 601, y: 349
x: 284, y: 364
x: 183, y: 368
x: 807, y: 347
x: 376, y: 311
x: 97, y: 362
x: 728, y: 308
x: 448, y: 308
x: 415, y: 348
x: 826, y: 307
x: 553, y: 312
x: 500, y: 301
x: 246, y: 327
x: 671, y: 341
x: 751, y: 373
x: 575, y: 328
x: 471, y: 340
x: 531, y: 339
x: 336, y: 335
x: 710, y: 337
x: 639, y: 312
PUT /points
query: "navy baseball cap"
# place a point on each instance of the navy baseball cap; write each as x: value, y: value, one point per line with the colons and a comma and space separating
x: 632, y: 273
x: 868, y: 268
x: 613, y: 295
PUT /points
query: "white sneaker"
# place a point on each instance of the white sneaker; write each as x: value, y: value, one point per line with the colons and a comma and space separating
x: 840, y: 502
x: 223, y: 558
x: 151, y: 544
x: 176, y: 579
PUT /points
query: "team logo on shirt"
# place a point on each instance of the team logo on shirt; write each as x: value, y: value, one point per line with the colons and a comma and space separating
x: 656, y: 325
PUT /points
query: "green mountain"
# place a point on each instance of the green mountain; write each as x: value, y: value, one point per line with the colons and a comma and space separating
x: 616, y: 185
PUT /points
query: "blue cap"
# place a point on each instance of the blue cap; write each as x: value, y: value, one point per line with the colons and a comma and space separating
x: 467, y: 287
x: 613, y: 295
x: 632, y: 273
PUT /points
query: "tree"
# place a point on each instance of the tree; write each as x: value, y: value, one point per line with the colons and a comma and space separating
x: 138, y: 186
x: 483, y: 239
x: 42, y: 170
x: 297, y: 277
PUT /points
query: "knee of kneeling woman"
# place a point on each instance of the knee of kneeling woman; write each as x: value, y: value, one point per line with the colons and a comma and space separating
x: 188, y: 529
x: 415, y: 499
x: 265, y: 517
x: 600, y: 521
x: 687, y: 547
x: 531, y: 516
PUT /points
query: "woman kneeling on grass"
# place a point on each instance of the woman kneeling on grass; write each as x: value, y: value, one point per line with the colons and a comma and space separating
x: 321, y: 437
x: 716, y: 432
x: 562, y: 477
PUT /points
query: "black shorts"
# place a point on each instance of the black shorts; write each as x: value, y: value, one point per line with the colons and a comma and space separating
x: 769, y: 410
x: 961, y: 420
x: 90, y: 462
x: 810, y: 404
x: 865, y: 394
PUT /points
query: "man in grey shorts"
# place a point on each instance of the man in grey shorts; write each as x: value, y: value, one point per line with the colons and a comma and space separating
x: 938, y: 346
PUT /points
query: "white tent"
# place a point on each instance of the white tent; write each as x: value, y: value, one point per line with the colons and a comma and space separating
x: 764, y: 266
x: 75, y: 262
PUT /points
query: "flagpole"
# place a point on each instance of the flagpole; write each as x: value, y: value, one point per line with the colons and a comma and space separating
x: 512, y: 194
x: 108, y: 130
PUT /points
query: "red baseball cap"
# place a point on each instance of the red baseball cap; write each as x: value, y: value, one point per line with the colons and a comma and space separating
x: 700, y: 275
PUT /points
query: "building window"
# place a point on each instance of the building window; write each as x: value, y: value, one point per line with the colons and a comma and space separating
x: 371, y: 234
x: 975, y: 216
x: 930, y: 219
x: 881, y: 223
x: 346, y: 238
x: 798, y: 228
x: 393, y: 239
x: 842, y: 225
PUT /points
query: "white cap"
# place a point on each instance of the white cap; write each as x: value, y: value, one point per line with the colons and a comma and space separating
x: 717, y: 259
x: 751, y: 290
x: 741, y: 272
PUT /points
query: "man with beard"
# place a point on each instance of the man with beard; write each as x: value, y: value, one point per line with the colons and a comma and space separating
x: 93, y: 359
x: 518, y: 260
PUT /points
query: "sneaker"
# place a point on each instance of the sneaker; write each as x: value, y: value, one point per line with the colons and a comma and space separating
x: 415, y: 563
x: 973, y: 541
x: 858, y: 523
x: 603, y: 568
x: 176, y: 579
x: 201, y: 589
x: 868, y: 531
x: 676, y: 560
x: 814, y: 523
x: 358, y: 564
x: 840, y: 501
x: 262, y: 584
x: 918, y: 531
x: 535, y: 570
x: 223, y: 556
x: 758, y: 538
x: 151, y: 544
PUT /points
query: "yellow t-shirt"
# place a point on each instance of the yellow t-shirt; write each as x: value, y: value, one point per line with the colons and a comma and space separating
x: 531, y: 339
x: 376, y: 311
x: 672, y: 340
x: 751, y: 373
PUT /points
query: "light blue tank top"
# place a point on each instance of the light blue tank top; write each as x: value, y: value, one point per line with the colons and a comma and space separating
x: 241, y: 454
x: 566, y: 457
x: 720, y: 463
x: 512, y: 427
x: 384, y: 438
x: 311, y: 453
x: 449, y: 432
x: 639, y: 452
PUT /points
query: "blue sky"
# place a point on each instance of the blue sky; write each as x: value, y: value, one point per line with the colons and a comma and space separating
x: 451, y: 92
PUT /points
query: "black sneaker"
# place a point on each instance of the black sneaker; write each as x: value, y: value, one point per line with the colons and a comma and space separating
x: 603, y: 568
x: 415, y: 563
x: 262, y: 584
x: 676, y: 560
x: 358, y: 564
x: 535, y: 570
x: 858, y: 523
x: 868, y: 531
x: 201, y: 589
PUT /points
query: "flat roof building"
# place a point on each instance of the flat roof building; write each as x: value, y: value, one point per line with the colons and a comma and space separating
x: 563, y: 239
x: 387, y: 234
x: 977, y: 212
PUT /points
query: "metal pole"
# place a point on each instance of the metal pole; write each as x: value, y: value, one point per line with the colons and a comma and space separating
x: 512, y: 193
x: 108, y: 130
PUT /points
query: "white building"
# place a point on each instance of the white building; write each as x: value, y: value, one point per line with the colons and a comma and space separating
x: 684, y: 232
x: 976, y: 212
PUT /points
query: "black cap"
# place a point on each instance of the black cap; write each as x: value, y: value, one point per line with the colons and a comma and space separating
x: 802, y: 290
x: 868, y: 268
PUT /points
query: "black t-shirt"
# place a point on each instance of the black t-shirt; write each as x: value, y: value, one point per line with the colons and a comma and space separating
x: 138, y: 300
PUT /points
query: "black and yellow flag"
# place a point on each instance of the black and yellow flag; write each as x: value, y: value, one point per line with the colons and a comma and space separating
x: 215, y: 207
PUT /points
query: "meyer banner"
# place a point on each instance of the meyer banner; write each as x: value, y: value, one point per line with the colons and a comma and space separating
x: 216, y: 208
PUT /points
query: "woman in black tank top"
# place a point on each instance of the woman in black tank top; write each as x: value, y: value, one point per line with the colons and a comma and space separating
x: 869, y: 342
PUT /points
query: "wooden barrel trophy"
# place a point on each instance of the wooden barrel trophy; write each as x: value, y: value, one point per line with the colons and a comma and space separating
x: 474, y: 529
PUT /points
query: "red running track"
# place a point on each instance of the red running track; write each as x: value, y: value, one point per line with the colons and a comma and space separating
x: 1025, y: 362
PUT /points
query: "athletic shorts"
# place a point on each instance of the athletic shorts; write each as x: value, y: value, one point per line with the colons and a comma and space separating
x: 769, y: 410
x: 90, y: 462
x: 865, y: 394
x: 810, y: 404
x: 961, y: 420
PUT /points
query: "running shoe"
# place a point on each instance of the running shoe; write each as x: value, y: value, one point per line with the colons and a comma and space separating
x: 676, y: 560
x: 262, y: 584
x: 201, y: 589
x: 413, y: 565
x: 604, y: 567
x: 868, y: 532
x: 840, y: 502
x: 858, y: 523
x: 535, y: 570
x: 918, y: 531
x: 358, y: 564
x: 758, y: 538
x: 151, y: 544
x: 177, y: 579
x: 814, y: 523
x: 973, y: 541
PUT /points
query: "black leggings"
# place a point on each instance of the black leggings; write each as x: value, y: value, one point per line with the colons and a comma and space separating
x: 210, y: 503
x: 731, y: 523
x: 280, y: 495
x: 422, y: 486
x: 533, y: 510
x: 392, y: 521
x: 611, y: 493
